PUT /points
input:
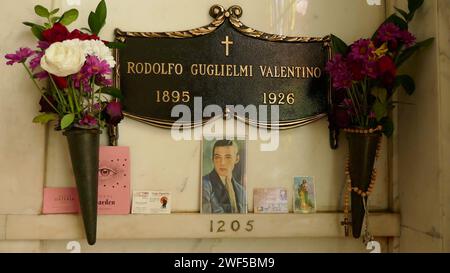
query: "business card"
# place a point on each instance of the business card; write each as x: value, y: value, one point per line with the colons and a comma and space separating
x: 151, y: 202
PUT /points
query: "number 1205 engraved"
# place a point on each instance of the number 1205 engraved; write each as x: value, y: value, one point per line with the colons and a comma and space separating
x: 235, y: 226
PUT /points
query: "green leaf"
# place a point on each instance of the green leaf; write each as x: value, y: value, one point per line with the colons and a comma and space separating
x: 380, y: 94
x: 410, y: 51
x: 101, y: 12
x: 380, y: 110
x: 114, y: 92
x: 29, y: 24
x: 67, y: 120
x: 403, y: 13
x: 69, y: 17
x: 45, y: 118
x: 94, y: 23
x: 53, y: 12
x: 37, y: 31
x: 414, y: 5
x: 41, y: 11
x: 118, y: 45
x: 388, y: 126
x: 338, y: 45
x: 407, y: 82
x: 47, y: 25
x: 402, y: 24
x: 55, y: 19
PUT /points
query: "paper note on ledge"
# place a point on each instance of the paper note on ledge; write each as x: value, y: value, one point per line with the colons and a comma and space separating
x: 114, y: 180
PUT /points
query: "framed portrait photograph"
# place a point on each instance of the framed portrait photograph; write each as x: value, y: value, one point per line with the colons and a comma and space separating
x: 304, y: 195
x: 223, y: 185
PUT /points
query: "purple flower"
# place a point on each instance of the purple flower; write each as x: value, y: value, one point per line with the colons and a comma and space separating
x: 81, y: 79
x: 94, y: 66
x: 102, y: 81
x: 41, y: 75
x: 36, y: 61
x: 363, y: 50
x: 43, y: 45
x: 407, y: 38
x: 20, y: 56
x: 97, y: 106
x: 340, y: 72
x: 113, y: 113
x: 389, y: 33
x: 88, y: 120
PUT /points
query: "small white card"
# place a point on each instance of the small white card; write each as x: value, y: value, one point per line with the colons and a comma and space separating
x: 270, y: 200
x: 151, y: 202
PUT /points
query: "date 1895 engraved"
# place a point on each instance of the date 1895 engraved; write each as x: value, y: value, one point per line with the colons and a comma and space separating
x: 173, y: 96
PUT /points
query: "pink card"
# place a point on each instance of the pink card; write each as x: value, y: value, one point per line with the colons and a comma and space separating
x: 60, y: 200
x: 114, y: 180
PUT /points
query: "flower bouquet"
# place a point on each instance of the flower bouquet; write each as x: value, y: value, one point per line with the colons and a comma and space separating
x: 365, y: 77
x: 75, y: 67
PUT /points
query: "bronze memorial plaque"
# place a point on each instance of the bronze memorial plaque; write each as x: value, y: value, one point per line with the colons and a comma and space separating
x: 225, y: 63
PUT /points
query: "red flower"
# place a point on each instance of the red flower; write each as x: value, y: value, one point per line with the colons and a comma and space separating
x: 76, y: 34
x: 113, y: 113
x: 387, y: 70
x: 60, y: 82
x: 57, y: 33
x: 45, y: 106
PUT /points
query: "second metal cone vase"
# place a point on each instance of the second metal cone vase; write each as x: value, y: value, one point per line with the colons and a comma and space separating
x: 84, y: 153
x: 362, y: 152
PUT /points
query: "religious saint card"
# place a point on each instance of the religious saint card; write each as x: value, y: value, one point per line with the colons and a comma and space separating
x: 270, y: 200
x: 223, y: 175
x: 304, y: 195
x: 114, y: 180
x: 151, y: 202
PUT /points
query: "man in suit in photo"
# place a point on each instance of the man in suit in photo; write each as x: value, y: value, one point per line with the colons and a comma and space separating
x: 221, y: 192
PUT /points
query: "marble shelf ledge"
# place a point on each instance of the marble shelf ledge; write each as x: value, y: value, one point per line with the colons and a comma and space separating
x: 191, y: 225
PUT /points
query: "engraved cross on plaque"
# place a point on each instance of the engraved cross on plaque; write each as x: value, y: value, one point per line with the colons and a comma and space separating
x: 227, y: 44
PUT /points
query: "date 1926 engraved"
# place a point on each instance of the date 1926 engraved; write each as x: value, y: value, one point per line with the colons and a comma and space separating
x: 273, y: 98
x: 235, y: 226
x: 172, y: 96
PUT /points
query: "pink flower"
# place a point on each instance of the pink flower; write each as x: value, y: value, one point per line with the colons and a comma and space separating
x: 95, y: 66
x: 407, y: 38
x: 41, y: 75
x: 43, y: 45
x: 340, y: 72
x: 102, y: 81
x: 20, y: 56
x: 389, y: 33
x: 363, y: 50
x: 88, y: 120
x: 36, y: 61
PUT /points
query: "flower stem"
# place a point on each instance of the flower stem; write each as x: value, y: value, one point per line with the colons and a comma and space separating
x: 40, y: 89
x: 62, y: 100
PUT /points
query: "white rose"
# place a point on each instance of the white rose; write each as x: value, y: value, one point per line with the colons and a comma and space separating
x: 63, y: 59
x: 97, y: 48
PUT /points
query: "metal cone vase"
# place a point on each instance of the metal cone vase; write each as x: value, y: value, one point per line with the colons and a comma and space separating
x: 362, y: 154
x: 84, y: 153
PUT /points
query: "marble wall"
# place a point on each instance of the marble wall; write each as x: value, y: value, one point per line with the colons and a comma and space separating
x: 423, y: 137
x: 34, y: 155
